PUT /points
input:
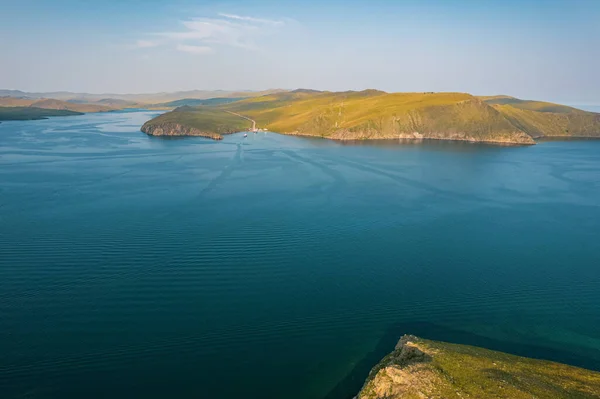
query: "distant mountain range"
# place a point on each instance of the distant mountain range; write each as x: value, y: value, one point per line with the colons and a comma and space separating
x: 51, y: 103
x: 19, y: 105
x: 147, y: 98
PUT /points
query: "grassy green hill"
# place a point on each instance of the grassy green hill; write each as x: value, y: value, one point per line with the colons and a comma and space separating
x: 419, y: 368
x: 31, y: 113
x: 372, y: 114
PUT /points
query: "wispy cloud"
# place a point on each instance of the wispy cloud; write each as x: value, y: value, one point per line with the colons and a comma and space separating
x: 204, y: 35
x: 187, y: 48
x: 147, y: 43
x: 251, y: 19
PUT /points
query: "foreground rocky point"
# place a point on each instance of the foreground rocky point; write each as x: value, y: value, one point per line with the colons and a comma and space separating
x: 419, y: 368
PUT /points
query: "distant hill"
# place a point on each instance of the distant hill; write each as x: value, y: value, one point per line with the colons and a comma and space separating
x: 372, y: 114
x: 109, y: 102
x: 308, y: 91
x: 117, y: 103
x: 50, y: 103
x: 16, y: 101
x: 32, y: 113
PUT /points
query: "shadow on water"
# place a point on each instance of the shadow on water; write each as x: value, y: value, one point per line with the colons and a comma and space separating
x: 406, y: 144
x: 559, y: 139
x: 180, y: 138
x: 426, y: 142
x: 350, y: 385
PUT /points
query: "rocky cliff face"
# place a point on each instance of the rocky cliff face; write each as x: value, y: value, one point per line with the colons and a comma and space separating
x: 508, y: 138
x: 176, y: 129
x: 419, y: 368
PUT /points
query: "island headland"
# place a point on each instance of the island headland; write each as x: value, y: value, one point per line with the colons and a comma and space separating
x: 373, y: 114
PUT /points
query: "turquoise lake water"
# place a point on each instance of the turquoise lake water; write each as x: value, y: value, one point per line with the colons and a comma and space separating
x: 277, y: 266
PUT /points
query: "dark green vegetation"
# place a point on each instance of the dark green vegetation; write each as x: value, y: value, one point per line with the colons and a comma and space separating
x: 420, y: 368
x: 31, y: 113
x: 372, y: 114
x: 187, y: 121
x: 197, y: 101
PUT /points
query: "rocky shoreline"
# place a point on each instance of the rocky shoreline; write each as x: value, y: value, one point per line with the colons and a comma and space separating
x: 180, y: 130
x: 176, y: 129
x: 517, y: 139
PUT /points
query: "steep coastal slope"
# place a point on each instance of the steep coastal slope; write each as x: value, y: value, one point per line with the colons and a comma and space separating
x: 419, y: 368
x: 372, y: 114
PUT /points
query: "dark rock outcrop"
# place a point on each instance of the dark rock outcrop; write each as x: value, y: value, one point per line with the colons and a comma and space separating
x: 176, y: 129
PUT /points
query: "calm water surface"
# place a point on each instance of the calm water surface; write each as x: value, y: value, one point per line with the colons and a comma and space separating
x: 280, y: 267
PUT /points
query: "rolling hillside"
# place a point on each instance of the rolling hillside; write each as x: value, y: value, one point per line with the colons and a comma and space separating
x: 543, y: 119
x: 372, y: 114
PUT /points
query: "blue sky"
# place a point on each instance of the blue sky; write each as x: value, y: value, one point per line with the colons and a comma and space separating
x: 532, y: 49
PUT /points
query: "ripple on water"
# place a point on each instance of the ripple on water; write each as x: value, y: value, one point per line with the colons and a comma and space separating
x: 223, y: 265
